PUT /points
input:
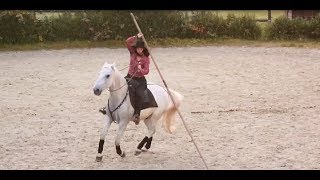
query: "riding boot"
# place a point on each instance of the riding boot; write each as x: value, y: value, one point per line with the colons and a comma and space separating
x: 136, y: 116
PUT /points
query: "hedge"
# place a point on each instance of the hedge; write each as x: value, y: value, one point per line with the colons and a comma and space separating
x: 18, y: 27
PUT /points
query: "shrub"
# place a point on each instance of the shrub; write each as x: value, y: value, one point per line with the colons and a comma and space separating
x: 244, y: 27
x: 18, y: 27
x: 284, y: 28
x: 205, y: 24
x: 314, y: 28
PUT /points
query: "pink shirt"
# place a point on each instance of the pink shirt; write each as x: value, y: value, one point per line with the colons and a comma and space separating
x: 134, y: 60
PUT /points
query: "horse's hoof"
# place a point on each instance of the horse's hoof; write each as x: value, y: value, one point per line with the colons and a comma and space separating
x: 144, y: 150
x: 99, y: 158
x: 137, y: 152
x: 123, y: 154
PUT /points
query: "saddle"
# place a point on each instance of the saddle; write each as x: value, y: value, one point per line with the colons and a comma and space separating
x: 147, y: 101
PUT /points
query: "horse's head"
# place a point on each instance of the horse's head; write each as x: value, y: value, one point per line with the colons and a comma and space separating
x: 105, y: 78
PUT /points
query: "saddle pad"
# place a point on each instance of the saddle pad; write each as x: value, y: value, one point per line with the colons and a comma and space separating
x: 148, y: 100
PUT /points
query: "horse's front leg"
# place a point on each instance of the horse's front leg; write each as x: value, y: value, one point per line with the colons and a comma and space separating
x: 103, y: 134
x: 122, y: 127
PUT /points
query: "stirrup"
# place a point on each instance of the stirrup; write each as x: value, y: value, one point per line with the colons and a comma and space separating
x: 103, y: 110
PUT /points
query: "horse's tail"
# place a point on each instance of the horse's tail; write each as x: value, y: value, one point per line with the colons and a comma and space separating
x: 169, y: 114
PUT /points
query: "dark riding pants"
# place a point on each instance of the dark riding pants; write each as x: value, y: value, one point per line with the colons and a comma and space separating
x: 140, y: 87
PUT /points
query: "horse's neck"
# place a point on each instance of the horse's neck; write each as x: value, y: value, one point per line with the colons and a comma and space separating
x: 118, y: 81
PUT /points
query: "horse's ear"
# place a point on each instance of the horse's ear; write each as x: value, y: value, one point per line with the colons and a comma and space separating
x: 113, y: 65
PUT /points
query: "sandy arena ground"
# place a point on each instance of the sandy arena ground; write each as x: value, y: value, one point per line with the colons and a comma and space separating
x: 247, y: 108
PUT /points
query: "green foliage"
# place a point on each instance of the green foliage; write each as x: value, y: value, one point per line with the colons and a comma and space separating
x: 314, y: 28
x: 244, y: 27
x: 159, y: 24
x: 21, y: 27
x: 205, y: 24
x: 284, y: 28
x: 18, y: 27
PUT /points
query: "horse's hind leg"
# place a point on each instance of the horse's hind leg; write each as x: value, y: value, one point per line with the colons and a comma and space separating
x: 103, y: 134
x: 146, y: 141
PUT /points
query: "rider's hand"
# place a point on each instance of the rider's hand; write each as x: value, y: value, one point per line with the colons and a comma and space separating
x: 139, y: 67
x: 139, y: 35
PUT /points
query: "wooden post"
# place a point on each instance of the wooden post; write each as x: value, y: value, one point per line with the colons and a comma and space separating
x: 269, y: 16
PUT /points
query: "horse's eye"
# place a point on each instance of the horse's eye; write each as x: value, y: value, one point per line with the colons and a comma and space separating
x: 107, y: 76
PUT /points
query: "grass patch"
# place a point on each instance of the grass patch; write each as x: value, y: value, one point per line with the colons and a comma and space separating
x: 62, y: 45
x: 170, y: 42
x: 259, y: 14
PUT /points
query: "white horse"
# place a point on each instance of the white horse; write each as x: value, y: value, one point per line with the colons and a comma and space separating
x: 121, y: 110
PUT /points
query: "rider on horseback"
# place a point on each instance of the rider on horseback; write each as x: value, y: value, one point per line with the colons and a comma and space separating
x: 139, y: 67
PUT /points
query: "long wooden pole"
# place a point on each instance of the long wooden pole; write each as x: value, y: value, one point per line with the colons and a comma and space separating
x: 165, y: 84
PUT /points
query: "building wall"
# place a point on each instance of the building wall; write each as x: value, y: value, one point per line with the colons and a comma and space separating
x: 308, y: 14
